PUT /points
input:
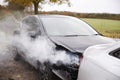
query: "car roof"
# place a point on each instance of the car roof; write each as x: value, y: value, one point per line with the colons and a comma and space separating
x: 53, y: 16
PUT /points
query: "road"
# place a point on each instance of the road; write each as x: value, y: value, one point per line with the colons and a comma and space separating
x: 18, y: 70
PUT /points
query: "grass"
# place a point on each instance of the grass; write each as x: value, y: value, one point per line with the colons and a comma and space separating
x: 109, y: 28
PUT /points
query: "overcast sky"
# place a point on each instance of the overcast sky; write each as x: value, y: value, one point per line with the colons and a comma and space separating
x: 89, y: 6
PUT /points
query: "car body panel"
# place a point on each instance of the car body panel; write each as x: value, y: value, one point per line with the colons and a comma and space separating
x: 97, y: 64
x: 80, y: 43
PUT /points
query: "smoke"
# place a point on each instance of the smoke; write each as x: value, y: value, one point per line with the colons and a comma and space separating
x: 42, y: 49
x: 5, y: 52
x: 26, y: 40
x: 8, y: 23
x: 38, y: 48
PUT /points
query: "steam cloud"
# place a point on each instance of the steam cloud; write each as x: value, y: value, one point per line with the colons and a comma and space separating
x: 39, y: 48
x: 7, y: 26
x: 42, y: 49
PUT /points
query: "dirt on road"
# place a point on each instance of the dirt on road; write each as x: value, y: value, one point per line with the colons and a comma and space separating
x: 18, y: 70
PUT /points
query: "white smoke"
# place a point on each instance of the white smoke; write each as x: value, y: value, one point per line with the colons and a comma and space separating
x: 42, y: 49
x: 5, y: 53
x: 7, y: 25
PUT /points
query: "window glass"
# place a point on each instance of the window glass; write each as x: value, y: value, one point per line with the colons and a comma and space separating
x: 66, y: 26
x: 116, y: 53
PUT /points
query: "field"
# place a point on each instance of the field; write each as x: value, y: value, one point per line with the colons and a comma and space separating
x: 109, y: 28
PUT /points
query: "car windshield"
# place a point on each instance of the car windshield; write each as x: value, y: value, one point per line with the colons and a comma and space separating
x: 65, y: 26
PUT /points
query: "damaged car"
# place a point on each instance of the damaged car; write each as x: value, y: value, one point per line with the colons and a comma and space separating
x: 68, y: 34
x: 101, y: 62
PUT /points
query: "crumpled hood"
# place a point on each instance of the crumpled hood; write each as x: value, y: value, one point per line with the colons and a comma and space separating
x: 80, y: 43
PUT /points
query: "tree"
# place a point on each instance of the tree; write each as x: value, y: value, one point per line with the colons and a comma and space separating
x: 36, y: 3
x: 15, y: 6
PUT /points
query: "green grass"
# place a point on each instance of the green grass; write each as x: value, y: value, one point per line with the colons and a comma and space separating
x: 109, y: 28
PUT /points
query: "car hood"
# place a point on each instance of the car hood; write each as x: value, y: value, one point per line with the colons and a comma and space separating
x: 80, y: 43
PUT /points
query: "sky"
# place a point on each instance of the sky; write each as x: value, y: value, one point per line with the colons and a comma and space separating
x: 86, y: 6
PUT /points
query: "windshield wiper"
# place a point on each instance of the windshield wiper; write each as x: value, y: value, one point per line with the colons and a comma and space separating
x: 97, y: 34
x: 68, y: 35
x: 73, y: 35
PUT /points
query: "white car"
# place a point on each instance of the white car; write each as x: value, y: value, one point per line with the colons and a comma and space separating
x: 101, y: 62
